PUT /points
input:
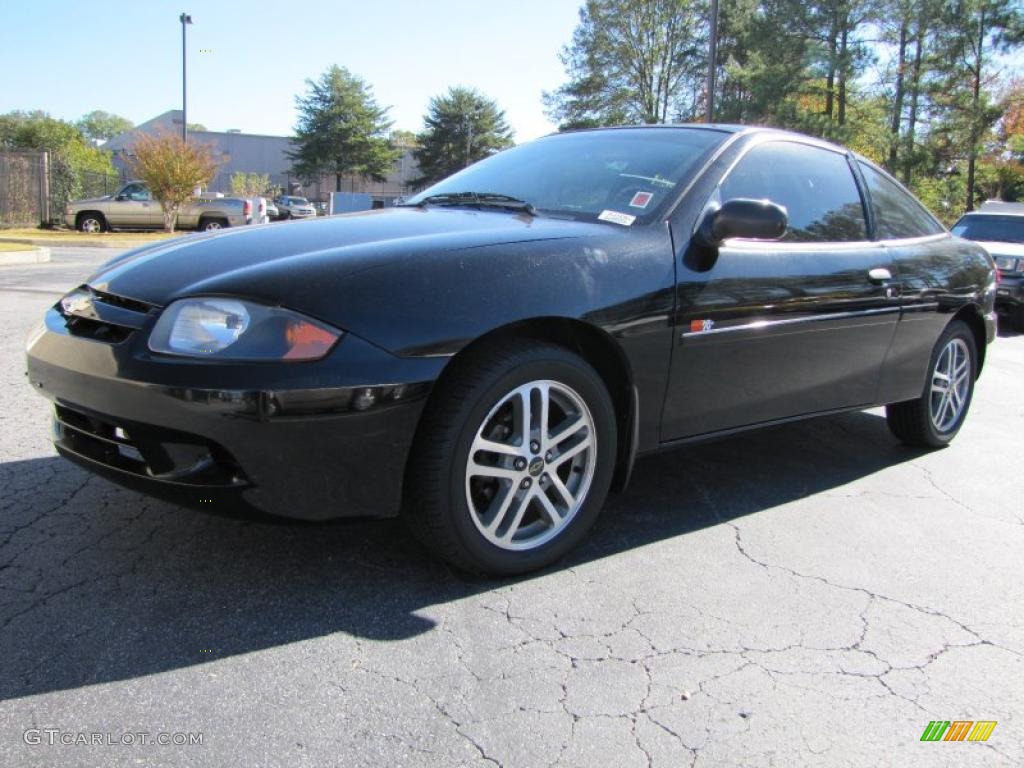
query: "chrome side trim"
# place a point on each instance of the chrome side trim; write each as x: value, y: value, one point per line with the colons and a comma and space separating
x: 792, y: 321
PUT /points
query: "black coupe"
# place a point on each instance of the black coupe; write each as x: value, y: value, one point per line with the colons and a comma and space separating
x: 490, y: 358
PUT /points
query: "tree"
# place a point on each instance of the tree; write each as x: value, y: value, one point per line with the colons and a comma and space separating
x: 461, y: 127
x: 341, y: 131
x: 631, y: 61
x: 172, y: 170
x: 972, y: 32
x: 196, y: 127
x: 249, y: 184
x: 99, y: 126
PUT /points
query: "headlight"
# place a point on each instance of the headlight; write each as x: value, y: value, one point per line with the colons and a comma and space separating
x: 229, y: 329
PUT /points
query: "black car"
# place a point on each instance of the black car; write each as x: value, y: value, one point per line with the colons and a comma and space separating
x: 490, y: 358
x: 999, y: 227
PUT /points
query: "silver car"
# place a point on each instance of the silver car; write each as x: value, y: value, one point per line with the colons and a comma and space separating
x: 291, y: 207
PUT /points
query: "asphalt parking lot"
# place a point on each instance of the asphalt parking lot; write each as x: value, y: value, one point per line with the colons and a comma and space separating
x: 812, y: 594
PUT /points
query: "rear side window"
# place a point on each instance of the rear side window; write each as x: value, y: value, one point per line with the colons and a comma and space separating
x: 815, y: 185
x: 897, y: 214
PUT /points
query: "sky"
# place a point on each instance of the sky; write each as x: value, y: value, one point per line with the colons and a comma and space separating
x: 248, y: 60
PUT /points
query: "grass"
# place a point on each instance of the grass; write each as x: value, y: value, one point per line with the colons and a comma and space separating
x: 71, y: 237
x: 16, y: 246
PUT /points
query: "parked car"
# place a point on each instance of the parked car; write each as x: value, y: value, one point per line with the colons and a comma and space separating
x: 490, y: 359
x: 999, y: 227
x: 272, y: 213
x: 292, y: 207
x: 133, y: 207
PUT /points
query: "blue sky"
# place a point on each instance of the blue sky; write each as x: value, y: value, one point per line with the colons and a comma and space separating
x: 248, y: 60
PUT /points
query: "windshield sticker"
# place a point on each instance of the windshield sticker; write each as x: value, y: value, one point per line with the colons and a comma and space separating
x: 617, y: 218
x: 641, y: 199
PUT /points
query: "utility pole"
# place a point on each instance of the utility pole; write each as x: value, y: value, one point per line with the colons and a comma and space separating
x: 712, y: 60
x: 185, y: 20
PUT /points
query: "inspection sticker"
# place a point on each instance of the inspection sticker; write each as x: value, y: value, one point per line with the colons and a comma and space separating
x: 641, y: 199
x: 617, y: 218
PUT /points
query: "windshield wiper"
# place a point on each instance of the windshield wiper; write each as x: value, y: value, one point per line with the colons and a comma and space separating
x: 480, y: 199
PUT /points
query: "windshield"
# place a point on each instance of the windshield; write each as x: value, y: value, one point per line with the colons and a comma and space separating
x: 616, y: 175
x: 1001, y: 229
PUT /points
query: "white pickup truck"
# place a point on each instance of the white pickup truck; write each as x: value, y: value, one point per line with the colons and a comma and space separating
x: 133, y: 207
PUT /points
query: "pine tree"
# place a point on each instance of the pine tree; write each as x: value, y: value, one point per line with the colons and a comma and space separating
x: 341, y: 131
x: 461, y: 127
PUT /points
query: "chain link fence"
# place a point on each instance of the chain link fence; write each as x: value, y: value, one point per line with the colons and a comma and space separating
x: 35, y: 187
x: 24, y: 196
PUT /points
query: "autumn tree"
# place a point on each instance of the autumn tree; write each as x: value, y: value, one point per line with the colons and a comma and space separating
x: 461, y: 127
x: 244, y: 184
x: 172, y: 170
x: 342, y: 131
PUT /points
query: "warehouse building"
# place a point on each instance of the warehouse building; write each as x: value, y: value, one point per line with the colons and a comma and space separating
x: 237, y: 152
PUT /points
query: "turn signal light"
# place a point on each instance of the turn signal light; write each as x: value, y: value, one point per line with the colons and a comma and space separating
x: 307, y: 341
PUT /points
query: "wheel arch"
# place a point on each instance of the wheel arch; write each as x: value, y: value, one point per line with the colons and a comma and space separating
x: 595, y: 346
x: 82, y: 214
x: 971, y: 315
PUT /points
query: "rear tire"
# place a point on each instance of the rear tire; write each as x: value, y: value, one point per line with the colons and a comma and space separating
x: 933, y: 420
x: 523, y: 506
x: 212, y: 225
x: 91, y: 222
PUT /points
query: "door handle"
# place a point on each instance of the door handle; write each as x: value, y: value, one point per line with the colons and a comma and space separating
x: 879, y: 275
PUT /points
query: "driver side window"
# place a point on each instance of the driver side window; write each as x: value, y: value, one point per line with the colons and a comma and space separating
x: 815, y: 185
x: 136, y: 192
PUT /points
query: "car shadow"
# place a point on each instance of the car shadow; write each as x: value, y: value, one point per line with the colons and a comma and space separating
x: 1005, y: 331
x: 100, y: 584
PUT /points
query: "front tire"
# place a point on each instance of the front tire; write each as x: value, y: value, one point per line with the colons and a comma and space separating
x: 91, y: 222
x: 513, y: 460
x: 933, y: 420
x: 1017, y: 318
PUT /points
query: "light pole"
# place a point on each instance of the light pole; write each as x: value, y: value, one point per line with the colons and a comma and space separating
x: 712, y: 60
x: 185, y: 20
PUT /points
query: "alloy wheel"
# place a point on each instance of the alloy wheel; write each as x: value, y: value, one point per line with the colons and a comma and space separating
x: 531, y: 465
x: 950, y: 385
x: 91, y: 225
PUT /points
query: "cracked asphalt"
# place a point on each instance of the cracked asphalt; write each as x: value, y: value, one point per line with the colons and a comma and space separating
x: 812, y: 594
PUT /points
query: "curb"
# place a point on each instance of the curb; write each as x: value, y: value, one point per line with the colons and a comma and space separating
x: 28, y: 256
x: 52, y: 243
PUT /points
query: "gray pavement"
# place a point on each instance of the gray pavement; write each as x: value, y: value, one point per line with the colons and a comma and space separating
x: 812, y: 594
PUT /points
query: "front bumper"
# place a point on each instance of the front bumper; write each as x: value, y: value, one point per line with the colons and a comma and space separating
x: 1010, y: 292
x: 311, y: 441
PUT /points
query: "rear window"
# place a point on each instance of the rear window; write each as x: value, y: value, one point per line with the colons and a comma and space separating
x: 898, y: 215
x: 983, y: 226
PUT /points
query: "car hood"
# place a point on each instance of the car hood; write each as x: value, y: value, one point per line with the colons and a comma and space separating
x: 91, y: 200
x: 284, y: 263
x: 996, y: 248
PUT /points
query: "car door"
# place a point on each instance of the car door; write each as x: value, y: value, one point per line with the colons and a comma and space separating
x: 134, y: 207
x: 937, y: 276
x: 769, y: 330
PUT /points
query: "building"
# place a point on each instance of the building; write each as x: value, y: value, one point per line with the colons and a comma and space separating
x: 238, y: 152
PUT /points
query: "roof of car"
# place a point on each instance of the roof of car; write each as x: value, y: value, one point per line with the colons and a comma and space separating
x: 731, y: 128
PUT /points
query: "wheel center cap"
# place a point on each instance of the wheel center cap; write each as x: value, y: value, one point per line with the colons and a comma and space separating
x: 536, y: 466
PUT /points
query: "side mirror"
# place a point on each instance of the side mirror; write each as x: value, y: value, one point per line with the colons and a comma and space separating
x: 740, y: 217
x: 121, y: 197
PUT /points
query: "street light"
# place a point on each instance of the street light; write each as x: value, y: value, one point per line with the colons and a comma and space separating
x: 185, y: 20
